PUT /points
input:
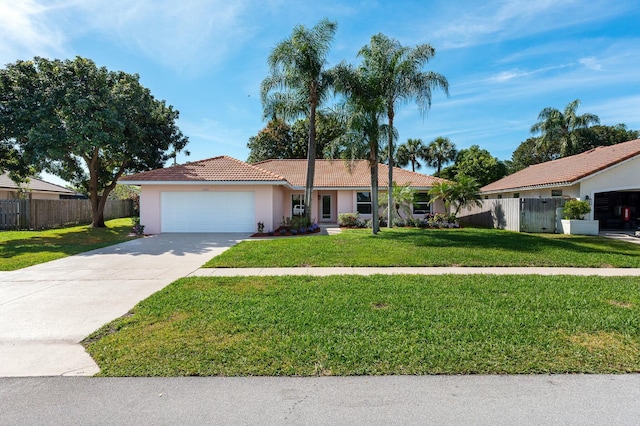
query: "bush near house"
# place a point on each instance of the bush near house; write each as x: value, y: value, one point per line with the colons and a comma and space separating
x: 576, y: 209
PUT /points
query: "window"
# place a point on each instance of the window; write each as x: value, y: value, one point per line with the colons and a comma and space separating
x: 556, y: 192
x: 297, y: 204
x: 421, y: 203
x: 363, y: 202
x: 499, y: 196
x: 516, y: 195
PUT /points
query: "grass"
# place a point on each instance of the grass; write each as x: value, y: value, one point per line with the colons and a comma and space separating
x: 348, y: 325
x: 432, y: 247
x: 19, y: 249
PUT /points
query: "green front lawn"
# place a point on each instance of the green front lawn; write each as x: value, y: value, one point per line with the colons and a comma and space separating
x: 19, y: 249
x: 432, y: 247
x: 354, y: 325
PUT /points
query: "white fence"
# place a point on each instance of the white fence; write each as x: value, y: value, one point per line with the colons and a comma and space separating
x: 514, y: 214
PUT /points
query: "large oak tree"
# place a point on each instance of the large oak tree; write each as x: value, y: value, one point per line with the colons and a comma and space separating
x: 85, y: 124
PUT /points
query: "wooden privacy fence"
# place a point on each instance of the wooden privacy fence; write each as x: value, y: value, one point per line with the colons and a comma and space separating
x: 41, y: 214
x: 515, y: 214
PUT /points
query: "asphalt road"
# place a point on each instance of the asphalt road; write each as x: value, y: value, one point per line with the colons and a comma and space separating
x: 388, y: 400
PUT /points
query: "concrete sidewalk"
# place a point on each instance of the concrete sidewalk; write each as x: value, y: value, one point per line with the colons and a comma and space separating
x: 47, y: 309
x: 319, y: 271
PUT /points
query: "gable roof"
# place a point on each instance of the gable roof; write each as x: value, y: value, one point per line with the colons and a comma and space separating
x: 216, y: 169
x: 568, y: 170
x: 328, y: 173
x: 34, y: 184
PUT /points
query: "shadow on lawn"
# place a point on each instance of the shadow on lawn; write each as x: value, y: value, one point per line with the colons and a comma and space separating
x: 519, y: 242
x: 64, y: 242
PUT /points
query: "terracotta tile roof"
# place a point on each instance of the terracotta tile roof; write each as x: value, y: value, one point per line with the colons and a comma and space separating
x: 567, y: 170
x: 217, y: 169
x: 329, y: 173
x: 341, y: 174
x: 34, y: 184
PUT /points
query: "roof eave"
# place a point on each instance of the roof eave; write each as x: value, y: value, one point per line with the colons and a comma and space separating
x: 530, y: 187
x: 203, y: 182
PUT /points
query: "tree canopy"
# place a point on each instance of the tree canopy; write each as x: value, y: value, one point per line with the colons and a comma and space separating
x: 559, y: 128
x: 440, y: 151
x: 476, y: 163
x: 413, y: 151
x: 281, y: 140
x: 84, y: 123
x: 532, y: 151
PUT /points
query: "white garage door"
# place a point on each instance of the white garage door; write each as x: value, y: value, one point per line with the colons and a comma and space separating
x: 207, y: 212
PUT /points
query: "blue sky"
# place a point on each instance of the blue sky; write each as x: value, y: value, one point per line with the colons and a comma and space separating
x: 505, y: 60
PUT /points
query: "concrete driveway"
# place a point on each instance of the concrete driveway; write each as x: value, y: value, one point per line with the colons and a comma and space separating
x: 47, y: 309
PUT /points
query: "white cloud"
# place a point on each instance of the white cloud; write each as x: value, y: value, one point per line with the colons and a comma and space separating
x: 185, y: 35
x: 26, y: 30
x: 618, y: 110
x: 490, y: 22
x: 591, y: 63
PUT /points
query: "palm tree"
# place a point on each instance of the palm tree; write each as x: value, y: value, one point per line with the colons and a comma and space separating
x: 440, y: 151
x: 297, y: 66
x: 462, y: 192
x: 467, y: 192
x: 403, y: 196
x: 365, y: 107
x: 559, y: 127
x: 444, y: 191
x: 412, y: 151
x: 399, y: 69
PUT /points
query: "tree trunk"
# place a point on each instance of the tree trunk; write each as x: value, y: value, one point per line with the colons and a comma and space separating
x: 98, y: 202
x: 311, y: 162
x: 97, y: 211
x: 375, y: 215
x: 390, y: 195
x: 373, y: 165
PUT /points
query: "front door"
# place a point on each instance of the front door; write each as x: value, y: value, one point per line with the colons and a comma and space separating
x: 325, y: 209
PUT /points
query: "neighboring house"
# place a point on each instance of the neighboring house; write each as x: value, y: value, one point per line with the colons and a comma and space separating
x: 34, y: 188
x: 223, y: 194
x: 608, y: 177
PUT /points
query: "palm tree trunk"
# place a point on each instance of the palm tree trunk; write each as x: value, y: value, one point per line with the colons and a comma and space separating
x: 373, y: 165
x: 375, y: 215
x: 311, y: 163
x: 390, y: 186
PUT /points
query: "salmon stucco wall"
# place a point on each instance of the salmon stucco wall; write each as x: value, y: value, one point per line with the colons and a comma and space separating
x: 150, y: 209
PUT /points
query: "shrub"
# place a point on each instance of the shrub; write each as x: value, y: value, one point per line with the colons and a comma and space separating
x: 349, y: 220
x: 576, y: 209
x: 397, y: 221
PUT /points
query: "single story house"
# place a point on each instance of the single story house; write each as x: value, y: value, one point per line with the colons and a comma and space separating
x: 223, y: 194
x: 607, y: 176
x: 36, y: 189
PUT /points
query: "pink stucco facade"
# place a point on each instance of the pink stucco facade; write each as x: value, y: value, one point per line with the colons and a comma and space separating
x: 271, y: 202
x: 151, y: 210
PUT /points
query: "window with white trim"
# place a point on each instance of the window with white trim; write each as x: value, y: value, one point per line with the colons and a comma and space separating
x: 297, y: 204
x: 363, y: 202
x: 421, y: 203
